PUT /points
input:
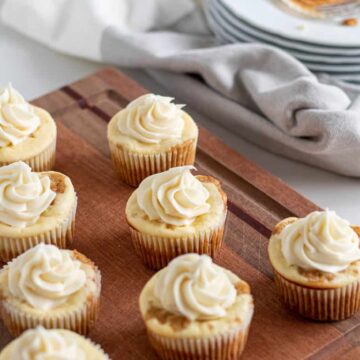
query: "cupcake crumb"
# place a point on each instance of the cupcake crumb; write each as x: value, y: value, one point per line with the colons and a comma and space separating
x: 176, y: 322
x: 57, y: 183
x: 301, y: 27
x: 282, y: 224
x: 349, y: 22
x: 82, y: 258
x: 242, y: 288
x: 238, y: 320
x: 316, y: 275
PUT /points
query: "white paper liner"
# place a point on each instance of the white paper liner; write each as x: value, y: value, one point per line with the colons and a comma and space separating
x: 320, y: 304
x: 157, y: 251
x: 133, y: 167
x: 62, y: 236
x: 227, y: 346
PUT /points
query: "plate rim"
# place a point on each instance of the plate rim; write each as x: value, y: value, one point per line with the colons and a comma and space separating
x: 277, y: 40
x: 312, y: 65
x: 227, y: 24
x: 235, y: 5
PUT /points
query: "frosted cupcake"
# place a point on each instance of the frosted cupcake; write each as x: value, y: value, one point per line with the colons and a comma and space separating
x: 27, y: 132
x: 193, y: 308
x: 316, y: 262
x: 39, y: 343
x: 50, y: 287
x: 151, y: 135
x: 175, y: 212
x: 34, y: 208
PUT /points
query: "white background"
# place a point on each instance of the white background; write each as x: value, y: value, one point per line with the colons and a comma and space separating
x: 35, y: 70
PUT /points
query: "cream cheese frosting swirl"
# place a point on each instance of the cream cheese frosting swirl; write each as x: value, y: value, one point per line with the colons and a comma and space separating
x: 320, y: 241
x: 174, y: 197
x: 24, y: 195
x: 194, y: 287
x: 151, y: 119
x: 45, y: 277
x: 18, y: 119
x: 42, y: 344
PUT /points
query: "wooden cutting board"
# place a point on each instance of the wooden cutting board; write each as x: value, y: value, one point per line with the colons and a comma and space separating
x: 258, y: 201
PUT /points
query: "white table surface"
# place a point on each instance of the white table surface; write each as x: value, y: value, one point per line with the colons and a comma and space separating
x: 35, y: 70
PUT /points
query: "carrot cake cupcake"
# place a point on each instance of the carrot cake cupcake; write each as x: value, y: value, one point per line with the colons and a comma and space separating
x: 34, y: 208
x: 40, y: 343
x: 27, y: 132
x: 175, y: 212
x: 316, y: 262
x: 151, y: 135
x: 193, y: 308
x: 49, y: 287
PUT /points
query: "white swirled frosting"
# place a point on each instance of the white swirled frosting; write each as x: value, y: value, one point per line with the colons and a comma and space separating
x: 42, y: 344
x: 45, y: 277
x: 192, y: 286
x: 175, y: 196
x: 18, y: 119
x: 152, y: 119
x: 320, y: 241
x: 24, y: 195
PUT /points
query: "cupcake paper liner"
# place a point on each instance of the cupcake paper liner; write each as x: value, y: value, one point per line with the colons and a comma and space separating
x: 227, y: 346
x: 320, y: 304
x: 61, y: 236
x: 80, y: 320
x: 133, y: 167
x: 157, y: 251
x: 43, y: 161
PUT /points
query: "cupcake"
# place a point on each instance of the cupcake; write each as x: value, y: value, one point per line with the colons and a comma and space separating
x: 316, y: 263
x: 149, y: 136
x: 27, y: 132
x: 34, y: 208
x: 49, y: 287
x: 193, y: 308
x: 39, y: 343
x: 175, y: 212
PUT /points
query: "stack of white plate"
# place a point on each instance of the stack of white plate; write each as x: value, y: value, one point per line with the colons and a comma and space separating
x: 322, y: 45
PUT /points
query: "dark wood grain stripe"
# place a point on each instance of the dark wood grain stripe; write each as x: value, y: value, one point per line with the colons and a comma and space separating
x: 83, y: 103
x: 74, y: 94
x: 255, y: 224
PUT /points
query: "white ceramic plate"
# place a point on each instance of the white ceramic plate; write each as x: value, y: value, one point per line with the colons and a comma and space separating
x: 273, y: 17
x: 334, y: 65
x: 227, y: 29
x: 228, y: 19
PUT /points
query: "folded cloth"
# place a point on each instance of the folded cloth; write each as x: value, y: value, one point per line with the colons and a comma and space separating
x: 257, y: 91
